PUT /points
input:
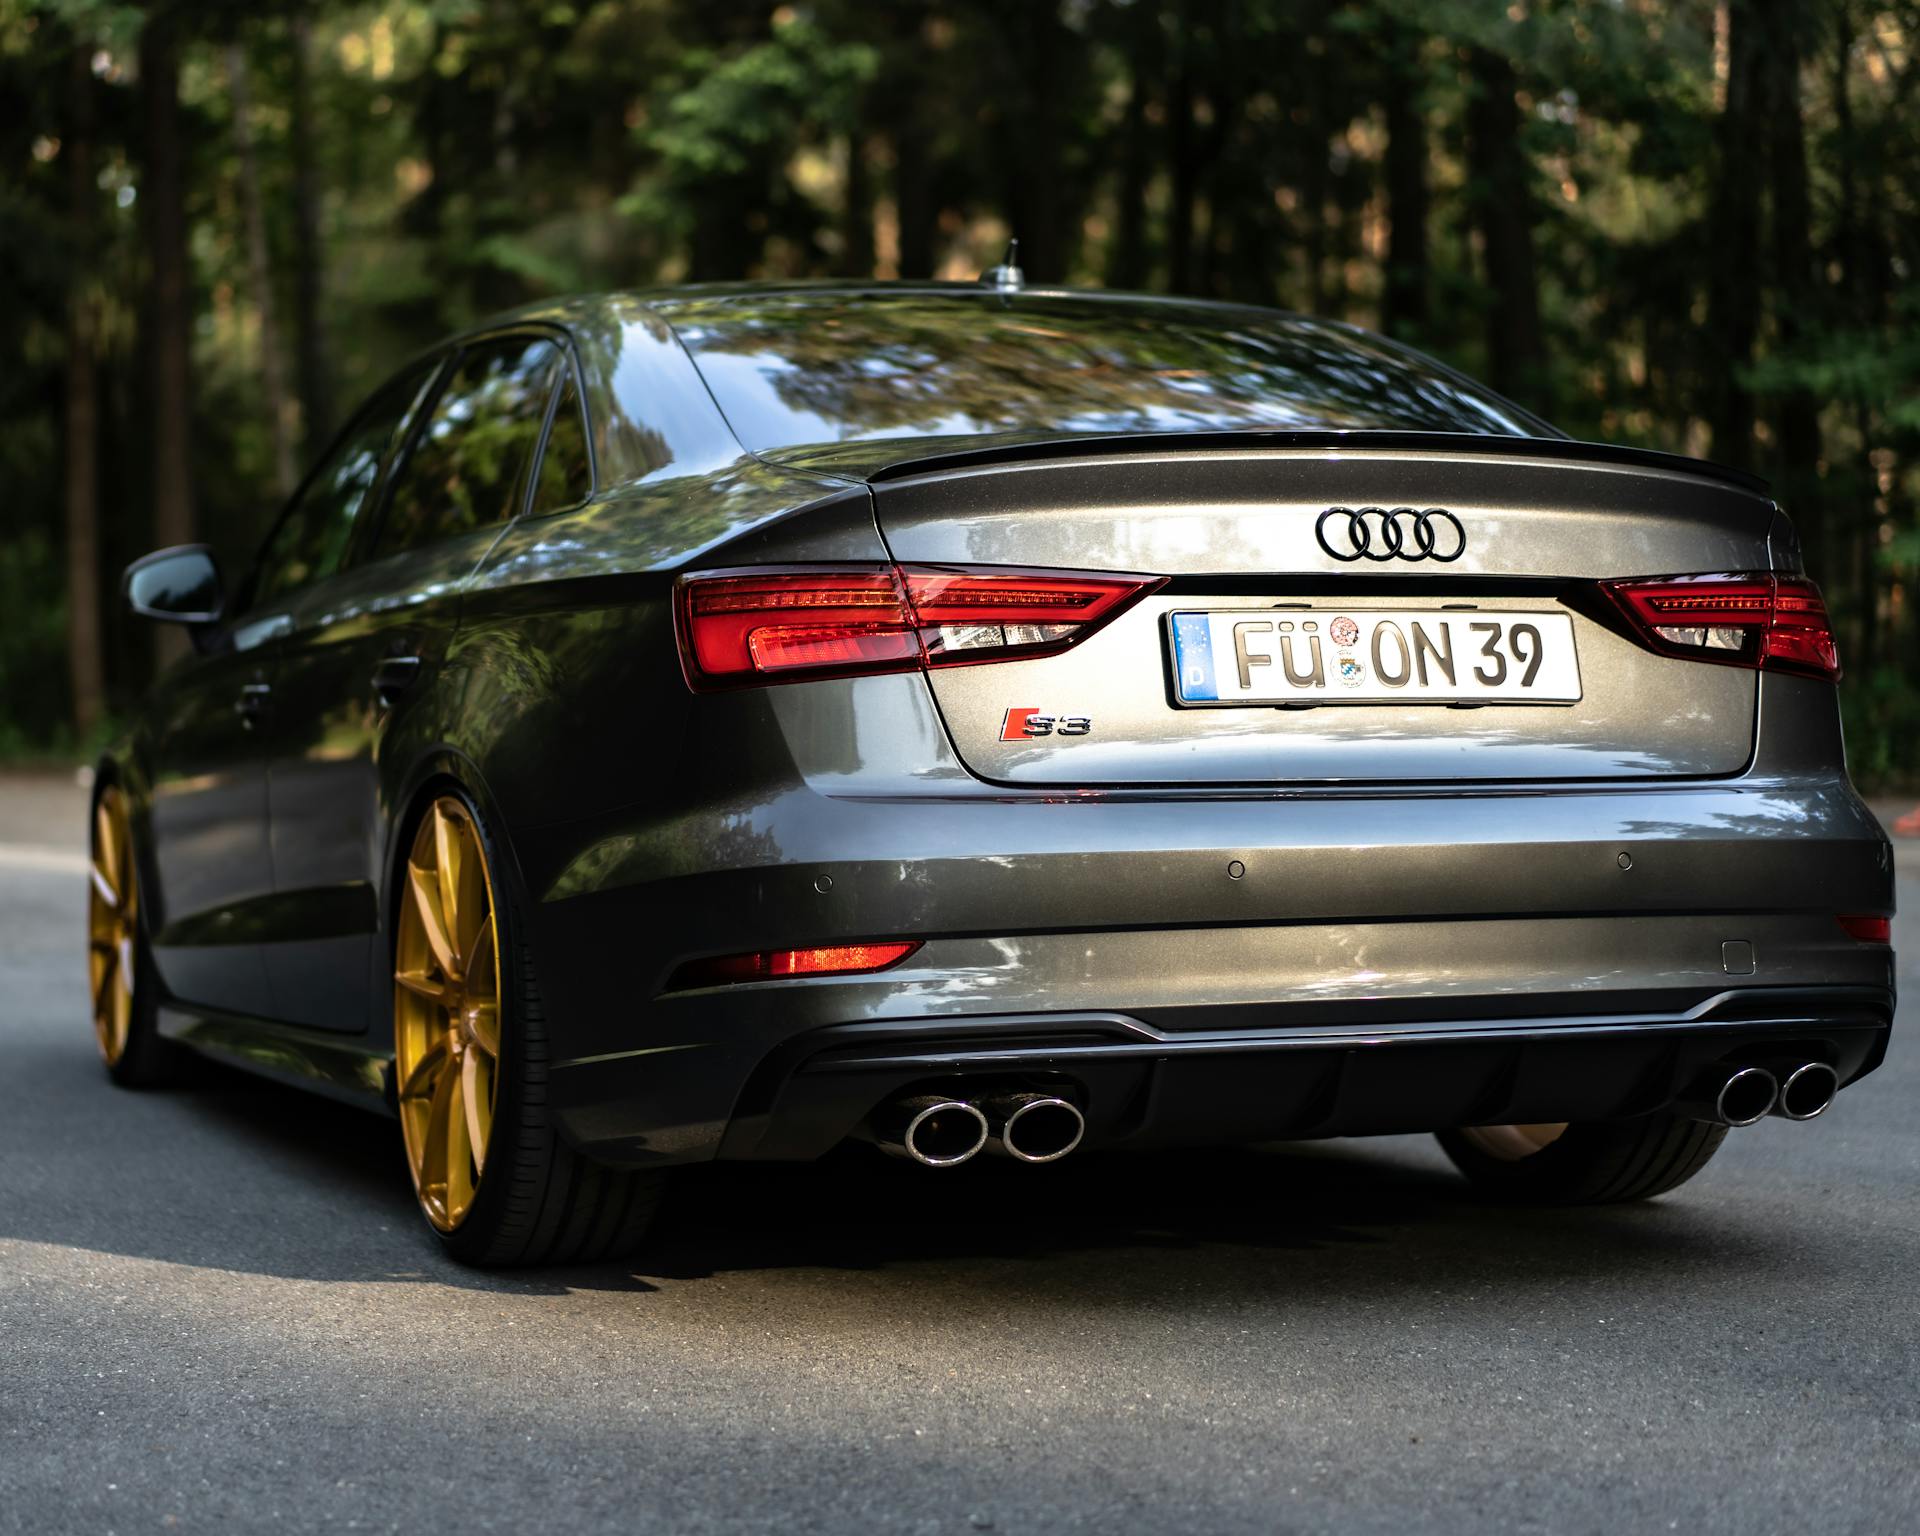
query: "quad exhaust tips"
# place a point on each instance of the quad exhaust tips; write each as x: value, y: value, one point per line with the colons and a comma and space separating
x: 941, y: 1132
x: 1730, y: 1095
x: 1034, y: 1127
x: 931, y: 1129
x: 1805, y: 1091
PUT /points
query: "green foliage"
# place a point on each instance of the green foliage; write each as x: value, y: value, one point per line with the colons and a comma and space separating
x: 736, y: 109
x: 420, y: 163
x: 1882, y: 717
x: 33, y: 646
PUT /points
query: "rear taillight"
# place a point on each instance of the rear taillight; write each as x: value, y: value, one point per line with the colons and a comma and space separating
x: 773, y: 964
x: 782, y: 624
x: 1763, y: 620
x: 1867, y: 927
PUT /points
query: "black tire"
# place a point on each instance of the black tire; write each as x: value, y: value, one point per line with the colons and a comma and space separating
x: 1597, y: 1163
x: 539, y: 1201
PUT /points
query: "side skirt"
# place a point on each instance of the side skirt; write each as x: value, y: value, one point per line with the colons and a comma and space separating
x: 304, y: 1058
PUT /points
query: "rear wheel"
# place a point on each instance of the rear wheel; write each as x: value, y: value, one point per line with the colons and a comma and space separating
x: 120, y: 976
x: 1595, y: 1163
x: 493, y: 1177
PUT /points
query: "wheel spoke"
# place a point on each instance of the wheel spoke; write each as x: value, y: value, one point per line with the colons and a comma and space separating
x: 433, y: 1158
x: 426, y: 902
x: 474, y: 1092
x: 484, y: 1020
x: 425, y: 1076
x: 103, y: 887
x: 458, y: 1150
x: 109, y: 963
x: 422, y: 985
x: 450, y: 857
x: 475, y: 911
x: 106, y: 841
x: 482, y: 979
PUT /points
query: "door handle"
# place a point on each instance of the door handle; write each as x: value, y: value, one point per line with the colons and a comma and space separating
x: 252, y: 703
x: 393, y: 677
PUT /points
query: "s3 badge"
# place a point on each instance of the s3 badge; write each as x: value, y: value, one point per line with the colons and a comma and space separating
x: 1030, y: 724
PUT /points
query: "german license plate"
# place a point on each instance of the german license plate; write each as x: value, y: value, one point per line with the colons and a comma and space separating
x: 1277, y: 656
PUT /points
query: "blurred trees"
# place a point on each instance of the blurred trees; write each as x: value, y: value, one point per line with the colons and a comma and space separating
x: 1685, y: 223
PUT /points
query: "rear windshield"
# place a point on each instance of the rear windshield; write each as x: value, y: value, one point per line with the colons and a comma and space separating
x: 792, y: 370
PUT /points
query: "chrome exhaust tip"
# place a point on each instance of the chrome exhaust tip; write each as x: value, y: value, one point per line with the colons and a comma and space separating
x: 1807, y: 1091
x: 929, y: 1129
x: 1731, y: 1095
x: 1034, y: 1127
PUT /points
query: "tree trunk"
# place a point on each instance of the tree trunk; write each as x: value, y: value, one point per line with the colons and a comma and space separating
x: 170, y: 303
x: 1127, y: 263
x: 273, y: 376
x: 1733, y: 283
x: 1797, y: 414
x: 856, y: 218
x: 1040, y: 200
x: 913, y: 196
x: 316, y: 400
x: 1403, y: 305
x: 1503, y: 208
x: 904, y: 105
x: 86, y: 669
x: 1186, y: 171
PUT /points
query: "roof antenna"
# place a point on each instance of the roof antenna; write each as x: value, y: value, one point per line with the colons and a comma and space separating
x: 1007, y: 277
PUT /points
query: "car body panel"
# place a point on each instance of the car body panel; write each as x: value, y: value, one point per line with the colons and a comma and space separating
x: 1239, y: 529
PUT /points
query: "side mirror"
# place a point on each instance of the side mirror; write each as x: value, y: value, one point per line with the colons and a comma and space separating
x: 179, y: 585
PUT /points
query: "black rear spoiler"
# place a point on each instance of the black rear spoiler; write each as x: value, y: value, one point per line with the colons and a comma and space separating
x: 1115, y: 444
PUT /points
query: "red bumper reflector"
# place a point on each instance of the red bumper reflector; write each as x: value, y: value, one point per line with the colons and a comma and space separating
x: 771, y: 964
x: 1762, y: 620
x: 782, y: 624
x: 1867, y: 927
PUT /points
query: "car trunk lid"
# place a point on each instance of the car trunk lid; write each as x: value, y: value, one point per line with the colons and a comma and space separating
x: 1517, y: 535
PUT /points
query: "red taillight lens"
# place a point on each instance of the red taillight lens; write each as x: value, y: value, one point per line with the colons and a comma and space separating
x: 780, y: 625
x: 1744, y: 621
x: 849, y: 620
x: 768, y: 964
x: 1867, y: 927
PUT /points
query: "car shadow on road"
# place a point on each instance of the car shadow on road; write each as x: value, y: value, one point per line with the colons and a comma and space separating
x: 1352, y: 1207
x: 332, y: 1178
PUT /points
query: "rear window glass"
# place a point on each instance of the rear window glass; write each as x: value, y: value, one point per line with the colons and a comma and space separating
x: 791, y: 370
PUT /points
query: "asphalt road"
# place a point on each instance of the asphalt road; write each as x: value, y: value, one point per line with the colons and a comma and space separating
x: 218, y: 1310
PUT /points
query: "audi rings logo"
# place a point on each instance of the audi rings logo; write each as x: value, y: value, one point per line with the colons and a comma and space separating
x: 1390, y: 533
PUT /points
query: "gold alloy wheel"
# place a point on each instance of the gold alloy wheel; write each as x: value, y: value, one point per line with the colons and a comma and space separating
x: 446, y: 1011
x: 1511, y: 1143
x: 113, y: 924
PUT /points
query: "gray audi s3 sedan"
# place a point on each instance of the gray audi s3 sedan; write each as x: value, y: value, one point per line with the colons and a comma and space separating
x: 989, y: 720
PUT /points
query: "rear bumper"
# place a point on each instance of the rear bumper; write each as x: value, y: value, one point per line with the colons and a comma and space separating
x: 1143, y: 1087
x: 1381, y: 962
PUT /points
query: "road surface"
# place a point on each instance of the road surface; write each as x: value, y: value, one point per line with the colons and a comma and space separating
x: 218, y: 1309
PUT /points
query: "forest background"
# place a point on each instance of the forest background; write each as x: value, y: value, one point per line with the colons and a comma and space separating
x: 1687, y: 224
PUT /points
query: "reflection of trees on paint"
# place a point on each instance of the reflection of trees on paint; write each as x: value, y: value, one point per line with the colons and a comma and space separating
x: 790, y: 370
